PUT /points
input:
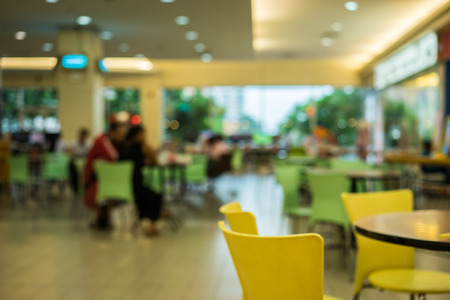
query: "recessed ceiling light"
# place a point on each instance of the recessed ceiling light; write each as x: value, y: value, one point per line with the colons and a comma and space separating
x: 337, y: 26
x: 191, y: 35
x: 51, y: 1
x: 20, y: 35
x: 84, y: 20
x: 167, y: 1
x: 182, y: 20
x: 106, y: 35
x: 47, y: 47
x: 351, y: 5
x: 200, y: 48
x: 124, y: 48
x: 327, y: 41
x: 207, y: 57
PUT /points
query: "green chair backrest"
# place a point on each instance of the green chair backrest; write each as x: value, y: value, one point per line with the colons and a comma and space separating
x: 199, y: 159
x: 19, y: 169
x: 196, y: 172
x: 236, y: 159
x: 114, y: 181
x: 56, y: 166
x: 349, y: 165
x: 326, y: 189
x: 297, y: 151
x: 152, y: 178
x: 289, y: 178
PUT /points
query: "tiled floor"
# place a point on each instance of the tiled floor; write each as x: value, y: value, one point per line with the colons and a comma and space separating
x: 49, y: 255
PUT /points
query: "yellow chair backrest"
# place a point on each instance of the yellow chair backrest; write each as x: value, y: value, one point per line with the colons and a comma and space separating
x: 239, y: 221
x: 282, y: 267
x: 374, y: 255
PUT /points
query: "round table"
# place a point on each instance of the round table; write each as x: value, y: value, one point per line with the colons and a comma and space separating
x: 419, y: 229
x: 371, y: 175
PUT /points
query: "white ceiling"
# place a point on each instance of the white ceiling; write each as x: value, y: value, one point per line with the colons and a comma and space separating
x: 294, y: 28
x: 147, y: 26
x: 278, y: 28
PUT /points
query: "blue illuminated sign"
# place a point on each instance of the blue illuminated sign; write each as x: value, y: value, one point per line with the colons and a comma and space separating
x: 74, y: 61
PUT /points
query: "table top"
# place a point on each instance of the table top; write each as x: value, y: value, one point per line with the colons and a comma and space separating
x: 420, y: 229
x: 417, y: 159
x: 373, y: 174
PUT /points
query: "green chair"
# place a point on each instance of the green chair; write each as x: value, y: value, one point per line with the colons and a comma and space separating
x: 236, y: 160
x: 114, y: 181
x: 289, y: 178
x: 299, y: 151
x: 327, y: 206
x: 19, y: 169
x: 349, y: 165
x: 56, y: 167
x: 196, y: 173
x: 152, y: 179
x: 199, y: 159
x: 19, y: 177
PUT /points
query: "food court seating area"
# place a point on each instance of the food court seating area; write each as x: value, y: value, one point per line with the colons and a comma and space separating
x: 282, y: 234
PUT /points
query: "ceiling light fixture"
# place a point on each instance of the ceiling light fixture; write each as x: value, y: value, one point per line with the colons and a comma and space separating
x: 28, y: 63
x: 167, y: 1
x: 84, y: 20
x: 47, y: 47
x: 139, y: 56
x: 52, y: 1
x: 20, y: 35
x: 182, y: 20
x: 337, y: 26
x: 126, y: 65
x: 351, y: 5
x: 327, y: 41
x: 207, y: 57
x: 200, y: 48
x: 191, y: 35
x: 106, y: 35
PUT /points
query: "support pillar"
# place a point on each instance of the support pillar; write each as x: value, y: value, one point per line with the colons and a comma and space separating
x: 80, y: 92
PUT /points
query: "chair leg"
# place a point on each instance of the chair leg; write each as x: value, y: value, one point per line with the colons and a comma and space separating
x: 356, y: 296
x: 412, y: 297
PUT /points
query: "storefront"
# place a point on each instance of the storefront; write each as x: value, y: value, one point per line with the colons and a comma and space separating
x: 410, y: 98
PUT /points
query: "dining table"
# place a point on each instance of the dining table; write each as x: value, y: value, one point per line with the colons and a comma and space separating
x: 424, y: 229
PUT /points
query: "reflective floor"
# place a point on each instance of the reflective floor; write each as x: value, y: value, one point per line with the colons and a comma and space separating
x: 48, y: 252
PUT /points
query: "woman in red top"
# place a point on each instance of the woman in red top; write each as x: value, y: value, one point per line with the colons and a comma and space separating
x: 105, y: 147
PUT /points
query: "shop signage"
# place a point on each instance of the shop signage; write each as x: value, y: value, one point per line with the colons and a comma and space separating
x: 74, y: 61
x: 408, y: 61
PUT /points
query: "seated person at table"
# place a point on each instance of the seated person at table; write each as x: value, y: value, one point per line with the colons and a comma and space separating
x: 105, y: 147
x: 219, y: 158
x: 79, y: 150
x: 148, y: 203
x: 429, y: 169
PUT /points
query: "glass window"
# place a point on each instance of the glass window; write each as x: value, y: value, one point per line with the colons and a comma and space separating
x: 30, y: 109
x: 292, y: 113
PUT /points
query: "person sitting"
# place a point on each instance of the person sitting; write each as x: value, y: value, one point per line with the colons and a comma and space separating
x: 105, y: 147
x: 78, y: 150
x: 148, y: 202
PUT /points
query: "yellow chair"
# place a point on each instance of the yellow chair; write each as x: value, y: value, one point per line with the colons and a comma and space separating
x: 238, y: 220
x: 283, y: 267
x: 245, y: 223
x: 388, y: 266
